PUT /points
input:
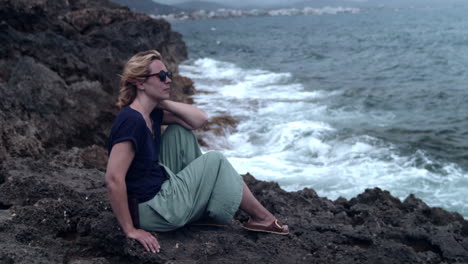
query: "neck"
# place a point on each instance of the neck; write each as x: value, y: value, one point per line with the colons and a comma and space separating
x: 143, y: 106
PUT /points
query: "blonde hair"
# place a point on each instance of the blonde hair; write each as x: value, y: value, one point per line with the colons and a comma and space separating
x: 133, y: 72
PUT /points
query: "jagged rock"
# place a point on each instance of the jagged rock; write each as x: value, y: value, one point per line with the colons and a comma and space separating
x: 61, y: 207
x: 214, y: 133
x: 59, y: 67
x: 58, y: 83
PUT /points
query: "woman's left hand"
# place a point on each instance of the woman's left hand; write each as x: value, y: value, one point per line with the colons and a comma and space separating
x: 146, y: 239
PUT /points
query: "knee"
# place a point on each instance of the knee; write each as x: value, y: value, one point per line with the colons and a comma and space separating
x: 176, y: 129
x: 215, y: 155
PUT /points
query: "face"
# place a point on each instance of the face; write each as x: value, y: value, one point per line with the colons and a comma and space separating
x: 153, y: 86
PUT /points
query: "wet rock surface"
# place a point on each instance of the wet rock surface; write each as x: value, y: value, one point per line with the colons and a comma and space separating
x: 58, y: 76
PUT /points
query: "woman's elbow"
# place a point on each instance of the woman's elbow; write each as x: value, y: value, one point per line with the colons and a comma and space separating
x: 196, y: 124
x: 112, y: 181
x: 203, y: 121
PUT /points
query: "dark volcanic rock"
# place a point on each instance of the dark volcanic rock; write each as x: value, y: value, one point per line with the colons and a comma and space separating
x: 58, y: 83
x: 58, y: 213
x: 59, y: 66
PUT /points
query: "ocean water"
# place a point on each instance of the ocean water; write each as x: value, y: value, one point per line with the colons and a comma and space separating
x: 341, y: 102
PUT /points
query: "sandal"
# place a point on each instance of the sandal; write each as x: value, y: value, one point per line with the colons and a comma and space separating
x: 275, y: 228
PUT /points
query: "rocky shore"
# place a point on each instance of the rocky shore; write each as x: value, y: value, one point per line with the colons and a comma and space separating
x: 59, y: 63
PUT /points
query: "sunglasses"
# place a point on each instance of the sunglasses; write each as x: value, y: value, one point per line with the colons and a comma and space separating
x: 161, y: 75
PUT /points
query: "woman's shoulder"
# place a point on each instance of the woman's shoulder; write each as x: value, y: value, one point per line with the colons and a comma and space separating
x: 128, y: 125
x: 128, y: 112
x: 129, y: 116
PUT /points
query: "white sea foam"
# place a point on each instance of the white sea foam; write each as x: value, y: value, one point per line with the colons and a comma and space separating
x: 284, y: 135
x: 227, y: 13
x: 313, y: 11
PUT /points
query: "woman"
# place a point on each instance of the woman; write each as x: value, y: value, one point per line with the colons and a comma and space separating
x: 171, y: 181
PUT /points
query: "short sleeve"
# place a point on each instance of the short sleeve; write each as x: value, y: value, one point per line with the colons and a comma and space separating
x: 128, y: 129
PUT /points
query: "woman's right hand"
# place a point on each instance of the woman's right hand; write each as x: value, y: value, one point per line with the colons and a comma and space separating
x: 146, y: 239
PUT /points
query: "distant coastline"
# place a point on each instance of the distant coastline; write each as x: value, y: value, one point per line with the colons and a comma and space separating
x: 229, y: 13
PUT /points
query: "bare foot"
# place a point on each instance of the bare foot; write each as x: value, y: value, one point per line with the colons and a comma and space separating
x: 268, y: 225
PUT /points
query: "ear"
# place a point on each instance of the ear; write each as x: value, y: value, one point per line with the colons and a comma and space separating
x: 139, y: 85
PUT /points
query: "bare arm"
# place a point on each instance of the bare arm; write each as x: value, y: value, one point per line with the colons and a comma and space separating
x: 120, y: 159
x: 186, y: 115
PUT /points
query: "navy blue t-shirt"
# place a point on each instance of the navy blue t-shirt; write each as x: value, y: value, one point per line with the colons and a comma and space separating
x: 145, y: 176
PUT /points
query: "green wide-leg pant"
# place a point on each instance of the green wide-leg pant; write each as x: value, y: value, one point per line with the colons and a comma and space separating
x: 197, y: 185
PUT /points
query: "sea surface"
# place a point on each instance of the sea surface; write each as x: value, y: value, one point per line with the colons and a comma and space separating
x: 341, y: 102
